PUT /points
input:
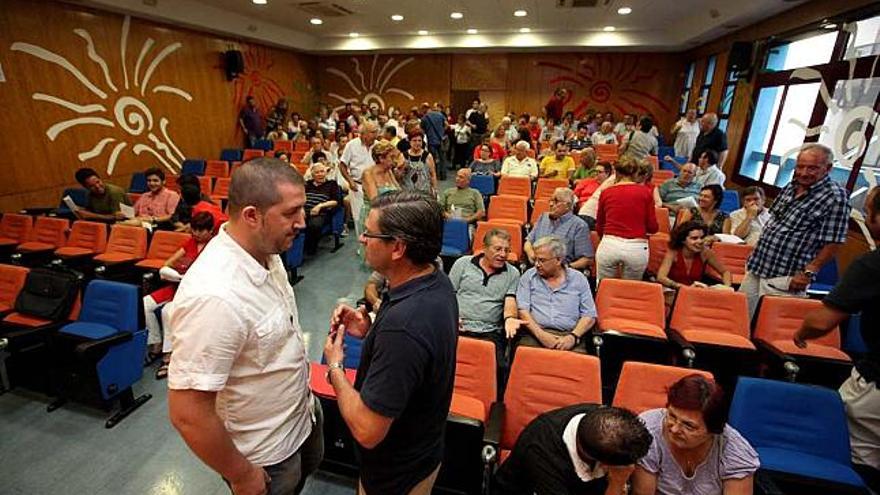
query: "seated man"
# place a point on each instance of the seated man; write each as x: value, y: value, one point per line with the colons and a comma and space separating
x: 559, y: 165
x: 322, y: 197
x: 554, y: 301
x: 102, y: 200
x: 680, y: 187
x: 748, y: 222
x: 463, y: 201
x: 157, y: 205
x: 584, y: 449
x: 552, y: 132
x: 485, y: 286
x: 520, y: 164
x: 390, y: 134
x: 605, y: 134
x: 563, y: 224
x: 581, y: 140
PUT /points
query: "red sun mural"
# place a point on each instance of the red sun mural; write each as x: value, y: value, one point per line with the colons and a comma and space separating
x: 255, y: 80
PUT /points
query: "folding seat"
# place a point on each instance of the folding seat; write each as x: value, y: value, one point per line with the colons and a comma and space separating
x: 138, y: 183
x: 484, y: 183
x: 301, y: 146
x: 217, y: 168
x: 540, y: 207
x: 296, y: 158
x: 206, y: 184
x: 456, y: 239
x: 294, y: 257
x: 822, y: 361
x: 661, y: 176
x: 516, y: 239
x: 826, y: 279
x: 231, y: 155
x: 15, y: 229
x: 86, y: 239
x: 78, y: 195
x: 134, y: 197
x: 665, y: 165
x: 163, y: 244
x: 171, y: 182
x: 221, y: 190
x: 283, y: 145
x: 594, y: 240
x: 193, y: 166
x: 48, y: 234
x: 800, y: 434
x: 730, y: 201
x: 515, y: 186
x: 127, y: 245
x: 233, y: 166
x: 250, y: 154
x: 106, y: 344
x: 545, y: 187
x: 576, y: 156
x: 733, y: 257
x: 609, y: 151
x: 655, y: 163
x: 664, y: 151
x: 302, y: 168
x: 508, y: 209
x: 11, y: 281
x: 644, y: 386
x: 662, y: 220
x: 658, y: 244
x: 263, y: 144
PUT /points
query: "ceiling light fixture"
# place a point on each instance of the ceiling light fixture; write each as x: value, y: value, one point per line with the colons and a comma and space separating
x: 472, y: 31
x: 624, y: 11
x: 520, y: 13
x: 397, y: 17
x: 608, y: 29
x: 354, y: 35
x: 525, y: 30
x: 259, y: 2
x: 316, y: 21
x: 456, y: 15
x: 422, y: 32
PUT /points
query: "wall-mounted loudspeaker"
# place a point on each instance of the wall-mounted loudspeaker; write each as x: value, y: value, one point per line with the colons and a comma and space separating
x: 740, y: 56
x: 234, y: 64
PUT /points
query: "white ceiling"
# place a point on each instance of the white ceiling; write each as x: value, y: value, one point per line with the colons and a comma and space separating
x: 653, y: 25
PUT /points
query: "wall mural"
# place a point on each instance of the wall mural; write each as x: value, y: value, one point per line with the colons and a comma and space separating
x: 596, y: 80
x: 127, y: 108
x: 255, y: 80
x: 374, y: 88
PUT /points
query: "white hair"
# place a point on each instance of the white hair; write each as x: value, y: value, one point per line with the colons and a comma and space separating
x: 553, y: 244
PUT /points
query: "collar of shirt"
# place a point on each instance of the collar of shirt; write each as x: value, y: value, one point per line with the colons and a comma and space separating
x: 581, y: 468
x: 476, y: 262
x: 411, y: 287
x: 563, y: 219
x: 255, y: 271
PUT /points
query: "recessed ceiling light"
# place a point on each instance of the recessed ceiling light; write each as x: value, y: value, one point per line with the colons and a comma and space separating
x: 422, y: 32
x: 525, y: 30
x: 353, y: 35
x: 456, y: 15
x: 316, y: 21
x: 520, y: 13
x: 397, y: 17
x: 608, y: 29
x: 624, y: 10
x: 259, y: 2
x: 471, y: 31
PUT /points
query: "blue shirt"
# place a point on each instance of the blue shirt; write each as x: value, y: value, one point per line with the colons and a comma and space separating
x: 559, y: 308
x: 571, y: 230
x: 434, y: 123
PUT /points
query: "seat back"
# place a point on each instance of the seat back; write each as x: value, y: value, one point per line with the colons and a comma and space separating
x: 217, y: 168
x: 661, y: 176
x: 295, y: 254
x: 231, y: 155
x: 88, y: 235
x: 508, y: 209
x: 662, y: 220
x: 544, y: 379
x: 711, y: 310
x: 515, y: 186
x: 283, y: 145
x: 50, y: 230
x: 516, y: 239
x: 456, y: 240
x: 301, y: 145
x: 730, y: 201
x: 606, y: 152
x: 644, y: 386
x: 111, y: 303
x: 733, y: 256
x: 138, y: 183
x: 263, y: 144
x: 193, y: 166
x: 475, y: 370
x: 545, y: 187
x: 630, y: 300
x: 655, y: 163
x: 791, y: 417
x: 221, y: 188
x: 128, y: 240
x: 778, y: 318
x: 250, y: 154
x: 540, y: 207
x: 658, y: 244
x: 171, y: 182
x: 79, y: 195
x: 12, y: 279
x: 16, y: 226
x: 484, y: 183
x: 166, y: 243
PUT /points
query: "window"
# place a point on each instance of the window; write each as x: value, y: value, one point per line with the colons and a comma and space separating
x: 686, y: 91
x: 864, y: 38
x: 805, y: 52
x: 703, y: 101
x: 727, y: 94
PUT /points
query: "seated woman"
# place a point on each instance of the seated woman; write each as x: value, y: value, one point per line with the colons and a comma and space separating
x: 322, y: 197
x: 192, y: 203
x: 486, y: 164
x: 202, y: 226
x: 157, y: 205
x: 586, y: 187
x: 685, y: 261
x: 707, y: 211
x: 694, y: 451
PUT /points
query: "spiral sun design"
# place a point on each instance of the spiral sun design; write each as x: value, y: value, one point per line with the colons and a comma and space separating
x: 372, y: 89
x: 128, y: 112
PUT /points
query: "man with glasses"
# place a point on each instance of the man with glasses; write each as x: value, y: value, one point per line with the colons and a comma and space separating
x: 561, y: 222
x: 357, y: 157
x: 555, y: 302
x: 396, y: 409
x: 808, y: 223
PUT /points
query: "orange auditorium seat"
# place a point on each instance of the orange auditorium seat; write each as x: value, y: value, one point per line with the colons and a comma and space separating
x: 606, y: 152
x: 206, y: 184
x: 540, y: 207
x: 531, y: 153
x: 171, y: 182
x: 662, y: 220
x: 221, y: 189
x: 658, y: 244
x: 301, y: 168
x: 30, y: 321
x: 217, y: 168
x: 163, y: 244
x: 644, y: 386
x: 545, y: 187
x: 12, y: 280
x: 48, y: 234
x: 516, y: 239
x: 475, y: 379
x: 508, y: 209
x: 297, y: 157
x: 631, y: 307
x: 250, y: 154
x: 780, y: 317
x: 712, y: 317
x: 318, y: 381
x: 654, y: 162
x: 661, y: 176
x: 515, y: 186
x: 282, y: 145
x: 733, y: 257
x: 302, y: 146
x: 86, y: 239
x: 134, y: 197
x: 15, y: 229
x: 126, y: 244
x: 233, y: 166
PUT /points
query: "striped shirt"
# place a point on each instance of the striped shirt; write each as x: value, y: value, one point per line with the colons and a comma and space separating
x: 799, y: 228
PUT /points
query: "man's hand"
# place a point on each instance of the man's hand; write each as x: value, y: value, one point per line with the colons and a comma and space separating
x: 617, y: 478
x: 799, y: 340
x: 668, y: 158
x: 752, y: 211
x: 333, y: 350
x: 566, y: 342
x: 799, y: 282
x: 351, y: 320
x: 120, y: 216
x: 316, y: 210
x: 547, y: 339
x: 254, y: 482
x: 511, y: 327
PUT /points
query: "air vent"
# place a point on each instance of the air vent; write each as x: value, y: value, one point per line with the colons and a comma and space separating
x: 323, y: 9
x: 575, y: 4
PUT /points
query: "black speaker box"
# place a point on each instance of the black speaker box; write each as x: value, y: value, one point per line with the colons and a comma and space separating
x: 234, y: 64
x: 740, y: 57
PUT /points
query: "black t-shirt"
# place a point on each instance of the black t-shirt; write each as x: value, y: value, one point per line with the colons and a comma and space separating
x: 859, y: 290
x: 406, y: 372
x: 540, y: 462
x: 481, y: 125
x: 714, y: 140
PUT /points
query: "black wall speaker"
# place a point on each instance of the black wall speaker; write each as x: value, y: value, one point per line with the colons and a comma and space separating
x: 234, y: 64
x: 740, y: 56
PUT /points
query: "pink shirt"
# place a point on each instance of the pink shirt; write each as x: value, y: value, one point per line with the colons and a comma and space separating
x: 160, y: 204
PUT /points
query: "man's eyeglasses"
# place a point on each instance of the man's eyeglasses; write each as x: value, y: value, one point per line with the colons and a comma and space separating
x: 384, y: 237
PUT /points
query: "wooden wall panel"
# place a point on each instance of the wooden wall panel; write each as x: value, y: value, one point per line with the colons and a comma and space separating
x: 52, y: 78
x: 479, y: 72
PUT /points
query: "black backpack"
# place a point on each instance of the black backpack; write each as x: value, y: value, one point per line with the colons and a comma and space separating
x: 49, y: 293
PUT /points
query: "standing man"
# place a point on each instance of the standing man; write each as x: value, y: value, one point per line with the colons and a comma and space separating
x: 808, y: 224
x: 710, y: 138
x: 357, y: 157
x: 239, y: 378
x: 554, y: 107
x: 434, y: 124
x: 397, y: 408
x: 858, y: 290
x: 251, y: 122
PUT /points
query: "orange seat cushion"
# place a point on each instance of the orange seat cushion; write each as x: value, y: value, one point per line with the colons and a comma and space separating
x: 813, y: 350
x: 635, y: 327
x: 468, y: 407
x: 114, y: 258
x: 151, y: 264
x: 35, y: 246
x: 6, y: 241
x: 5, y: 307
x: 717, y: 338
x: 25, y: 320
x: 503, y: 455
x: 70, y: 252
x: 318, y: 381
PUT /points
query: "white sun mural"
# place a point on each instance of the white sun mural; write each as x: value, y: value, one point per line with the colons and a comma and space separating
x: 116, y: 106
x: 372, y: 89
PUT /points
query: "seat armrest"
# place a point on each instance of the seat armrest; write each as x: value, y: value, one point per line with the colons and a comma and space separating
x: 90, y: 350
x: 769, y: 350
x: 687, y: 350
x: 492, y: 435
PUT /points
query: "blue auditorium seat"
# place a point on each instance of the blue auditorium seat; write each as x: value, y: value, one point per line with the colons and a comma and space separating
x: 730, y: 201
x: 664, y: 151
x: 826, y: 279
x: 231, y: 154
x: 484, y: 183
x: 193, y: 167
x: 293, y: 258
x: 799, y: 431
x: 138, y: 183
x: 456, y: 239
x: 263, y: 144
x: 79, y: 197
x: 335, y: 227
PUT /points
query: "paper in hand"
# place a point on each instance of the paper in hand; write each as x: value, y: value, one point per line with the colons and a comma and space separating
x: 687, y: 202
x: 70, y: 204
x: 126, y: 210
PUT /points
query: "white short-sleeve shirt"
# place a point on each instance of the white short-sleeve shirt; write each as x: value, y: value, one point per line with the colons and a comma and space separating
x: 236, y: 332
x: 527, y: 167
x: 357, y: 157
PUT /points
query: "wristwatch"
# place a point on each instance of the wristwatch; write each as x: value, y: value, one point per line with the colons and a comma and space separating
x: 330, y: 368
x: 577, y: 340
x: 810, y: 273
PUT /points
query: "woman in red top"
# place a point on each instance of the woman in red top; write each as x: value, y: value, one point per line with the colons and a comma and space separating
x: 624, y: 219
x: 686, y: 260
x: 585, y: 188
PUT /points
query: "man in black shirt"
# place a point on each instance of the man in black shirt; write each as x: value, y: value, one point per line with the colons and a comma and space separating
x: 397, y: 409
x: 322, y: 198
x: 710, y: 138
x: 858, y: 290
x: 584, y: 449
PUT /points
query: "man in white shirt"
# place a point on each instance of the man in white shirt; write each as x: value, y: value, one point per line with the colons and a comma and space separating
x: 708, y: 172
x: 356, y: 158
x: 239, y: 377
x: 605, y: 134
x: 520, y: 164
x: 748, y: 222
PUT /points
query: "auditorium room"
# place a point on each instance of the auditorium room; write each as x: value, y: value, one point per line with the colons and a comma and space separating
x: 487, y: 247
